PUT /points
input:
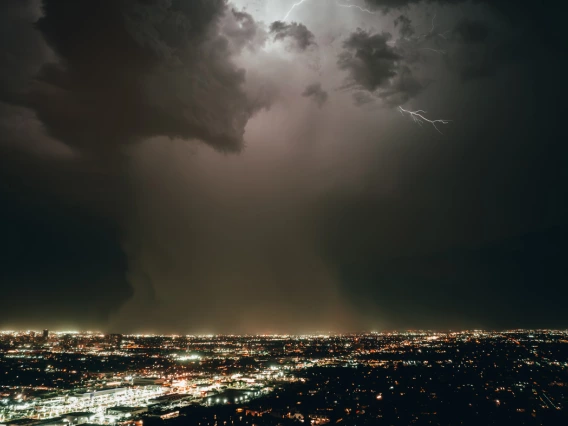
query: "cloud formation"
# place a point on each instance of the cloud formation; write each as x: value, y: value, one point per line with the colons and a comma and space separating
x: 377, y: 67
x: 315, y: 92
x: 79, y: 82
x: 154, y: 68
x: 241, y: 30
x: 473, y: 54
x: 406, y: 29
x: 471, y: 31
x: 306, y: 224
x: 22, y: 49
x: 369, y: 60
x: 302, y: 38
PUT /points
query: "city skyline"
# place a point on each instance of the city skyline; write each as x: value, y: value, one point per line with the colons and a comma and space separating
x: 476, y: 377
x: 62, y: 332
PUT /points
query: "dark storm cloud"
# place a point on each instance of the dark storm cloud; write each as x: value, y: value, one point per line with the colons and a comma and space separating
x: 315, y: 92
x: 406, y: 29
x: 362, y: 98
x: 521, y: 14
x: 62, y: 258
x: 22, y: 50
x: 243, y: 31
x: 475, y: 55
x: 474, y: 48
x: 506, y: 283
x: 377, y: 67
x: 22, y: 54
x: 61, y: 265
x: 327, y: 215
x: 86, y: 77
x: 369, y: 60
x: 402, y: 88
x: 302, y: 38
x: 471, y: 31
x: 21, y: 131
x: 470, y: 229
x: 479, y: 50
x: 153, y: 68
x: 388, y: 5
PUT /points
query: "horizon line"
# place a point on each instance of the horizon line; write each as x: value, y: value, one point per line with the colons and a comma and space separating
x: 312, y: 334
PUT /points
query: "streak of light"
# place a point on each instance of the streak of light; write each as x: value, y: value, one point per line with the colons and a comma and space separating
x: 432, y: 28
x: 349, y: 6
x: 292, y: 8
x: 442, y: 52
x: 418, y: 117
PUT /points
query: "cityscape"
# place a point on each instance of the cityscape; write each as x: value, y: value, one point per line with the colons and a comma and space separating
x: 283, y: 213
x: 399, y: 378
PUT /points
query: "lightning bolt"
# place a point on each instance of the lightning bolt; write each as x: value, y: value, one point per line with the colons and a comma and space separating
x: 442, y: 52
x: 429, y: 33
x: 419, y: 119
x: 349, y: 6
x: 292, y: 8
x: 433, y: 19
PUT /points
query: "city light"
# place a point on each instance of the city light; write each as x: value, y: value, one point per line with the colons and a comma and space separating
x: 109, y: 379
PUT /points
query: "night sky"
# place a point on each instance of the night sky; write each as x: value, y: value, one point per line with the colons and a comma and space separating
x: 200, y: 166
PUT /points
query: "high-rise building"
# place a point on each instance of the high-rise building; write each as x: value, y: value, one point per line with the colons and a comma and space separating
x: 45, y: 334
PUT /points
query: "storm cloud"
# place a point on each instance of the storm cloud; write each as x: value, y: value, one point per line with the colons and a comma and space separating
x: 316, y: 92
x: 167, y: 160
x: 374, y: 65
x: 301, y: 37
x: 406, y: 30
x: 154, y: 68
x: 478, y: 52
x: 74, y: 93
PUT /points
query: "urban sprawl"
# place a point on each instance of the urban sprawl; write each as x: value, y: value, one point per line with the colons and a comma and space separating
x: 407, y: 378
